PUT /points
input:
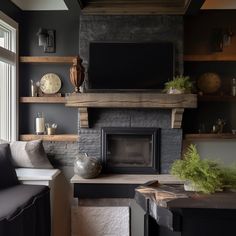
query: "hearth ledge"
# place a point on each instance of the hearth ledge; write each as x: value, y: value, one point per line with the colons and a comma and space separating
x: 127, y: 179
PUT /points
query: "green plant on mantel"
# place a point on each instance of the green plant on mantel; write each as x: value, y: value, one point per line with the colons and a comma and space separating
x: 204, y: 175
x: 180, y: 84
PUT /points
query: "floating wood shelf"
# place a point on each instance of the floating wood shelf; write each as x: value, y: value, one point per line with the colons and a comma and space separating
x: 42, y: 100
x: 216, y: 98
x: 176, y: 103
x: 210, y: 136
x: 51, y: 59
x: 210, y: 57
x: 52, y: 138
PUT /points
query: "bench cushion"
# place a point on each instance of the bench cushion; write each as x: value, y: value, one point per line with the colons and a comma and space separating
x: 25, y: 211
x: 15, y: 199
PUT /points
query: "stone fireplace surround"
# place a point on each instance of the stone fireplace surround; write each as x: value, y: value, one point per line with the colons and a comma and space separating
x: 171, y: 139
x: 132, y: 29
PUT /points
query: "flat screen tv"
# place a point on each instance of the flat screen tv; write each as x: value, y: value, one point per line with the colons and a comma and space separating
x: 133, y: 66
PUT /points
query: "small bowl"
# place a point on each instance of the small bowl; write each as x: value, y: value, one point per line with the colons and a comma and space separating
x: 233, y: 131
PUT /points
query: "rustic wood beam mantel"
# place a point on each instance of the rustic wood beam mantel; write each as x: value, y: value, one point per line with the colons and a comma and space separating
x: 177, y: 103
x: 132, y: 100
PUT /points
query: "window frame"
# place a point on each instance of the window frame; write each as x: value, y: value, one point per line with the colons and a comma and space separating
x: 11, y: 58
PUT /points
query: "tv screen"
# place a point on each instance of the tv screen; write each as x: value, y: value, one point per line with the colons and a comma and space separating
x: 130, y: 65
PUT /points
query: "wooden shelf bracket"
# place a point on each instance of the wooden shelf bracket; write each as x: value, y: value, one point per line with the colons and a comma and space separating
x: 176, y: 118
x: 83, y: 117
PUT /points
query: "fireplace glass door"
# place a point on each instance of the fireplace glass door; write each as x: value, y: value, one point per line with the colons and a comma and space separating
x: 130, y: 150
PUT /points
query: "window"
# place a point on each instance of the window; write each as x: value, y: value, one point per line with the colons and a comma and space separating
x: 8, y: 78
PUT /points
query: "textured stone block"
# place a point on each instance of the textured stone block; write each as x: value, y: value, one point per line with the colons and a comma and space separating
x: 110, y: 118
x: 100, y: 221
x: 171, y: 146
x: 61, y: 153
x: 150, y: 118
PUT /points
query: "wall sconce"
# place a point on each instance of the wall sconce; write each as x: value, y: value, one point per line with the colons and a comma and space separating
x: 47, y: 40
x: 220, y: 39
x: 227, y: 35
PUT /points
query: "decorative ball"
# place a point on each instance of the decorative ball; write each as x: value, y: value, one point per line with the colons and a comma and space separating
x: 87, y: 167
x: 209, y: 83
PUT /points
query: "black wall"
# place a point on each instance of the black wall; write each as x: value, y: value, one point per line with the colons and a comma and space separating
x: 66, y: 24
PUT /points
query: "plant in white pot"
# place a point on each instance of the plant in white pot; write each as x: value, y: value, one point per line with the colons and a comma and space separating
x: 203, y: 175
x: 180, y: 84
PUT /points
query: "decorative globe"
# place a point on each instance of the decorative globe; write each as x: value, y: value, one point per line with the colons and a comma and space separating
x: 209, y: 83
x: 87, y: 167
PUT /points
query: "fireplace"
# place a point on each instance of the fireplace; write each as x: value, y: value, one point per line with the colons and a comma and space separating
x: 130, y: 150
x: 139, y: 31
x: 145, y: 134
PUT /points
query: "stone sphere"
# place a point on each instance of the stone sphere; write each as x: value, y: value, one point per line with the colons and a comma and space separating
x: 209, y: 83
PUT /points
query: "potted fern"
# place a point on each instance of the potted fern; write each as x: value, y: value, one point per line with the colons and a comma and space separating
x: 203, y: 175
x: 180, y: 84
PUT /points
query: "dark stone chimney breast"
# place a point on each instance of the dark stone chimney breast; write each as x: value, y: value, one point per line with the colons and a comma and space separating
x: 166, y: 28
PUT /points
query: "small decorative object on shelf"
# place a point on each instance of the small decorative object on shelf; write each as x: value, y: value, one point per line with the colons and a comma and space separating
x: 221, y: 37
x: 201, y: 128
x: 51, y: 129
x: 50, y: 85
x: 218, y: 127
x: 209, y: 83
x: 87, y: 167
x: 40, y: 123
x: 179, y: 85
x: 33, y: 89
x: 233, y: 88
x: 189, y: 186
x: 77, y: 74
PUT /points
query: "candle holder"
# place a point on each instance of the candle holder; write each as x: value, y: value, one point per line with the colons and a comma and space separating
x: 51, y: 129
x: 40, y: 123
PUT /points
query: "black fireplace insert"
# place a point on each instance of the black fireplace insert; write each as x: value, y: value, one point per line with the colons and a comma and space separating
x: 131, y: 150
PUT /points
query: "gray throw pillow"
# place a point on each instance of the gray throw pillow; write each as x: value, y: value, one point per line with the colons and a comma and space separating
x: 8, y: 176
x: 29, y: 154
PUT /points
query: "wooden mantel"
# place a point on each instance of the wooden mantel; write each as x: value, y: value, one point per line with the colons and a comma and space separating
x: 177, y: 103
